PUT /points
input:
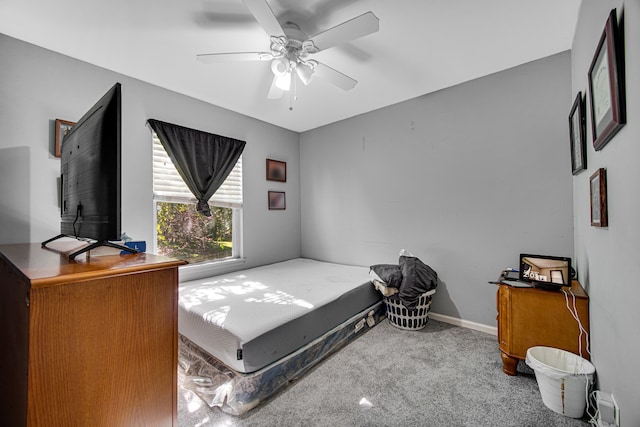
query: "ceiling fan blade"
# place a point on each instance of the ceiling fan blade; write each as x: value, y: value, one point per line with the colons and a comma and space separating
x: 264, y: 15
x: 274, y: 91
x: 209, y: 58
x: 360, y: 26
x: 334, y: 76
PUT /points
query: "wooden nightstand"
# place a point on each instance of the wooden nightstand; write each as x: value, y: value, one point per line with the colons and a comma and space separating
x: 528, y: 317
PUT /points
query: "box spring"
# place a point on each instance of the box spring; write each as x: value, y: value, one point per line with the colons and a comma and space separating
x: 236, y: 393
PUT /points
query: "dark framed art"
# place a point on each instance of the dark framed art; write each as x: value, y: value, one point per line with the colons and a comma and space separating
x: 276, y: 170
x: 62, y: 127
x: 598, y: 183
x: 578, y: 135
x: 277, y: 200
x: 606, y: 85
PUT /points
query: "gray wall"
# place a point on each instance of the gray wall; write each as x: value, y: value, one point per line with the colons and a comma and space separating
x: 608, y: 258
x: 38, y: 86
x: 465, y: 178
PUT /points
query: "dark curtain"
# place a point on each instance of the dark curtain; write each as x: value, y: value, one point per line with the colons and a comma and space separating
x: 203, y: 160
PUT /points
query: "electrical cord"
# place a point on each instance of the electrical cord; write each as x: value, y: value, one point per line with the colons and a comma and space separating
x: 588, y: 383
x: 593, y: 419
x: 78, y: 210
x: 574, y: 314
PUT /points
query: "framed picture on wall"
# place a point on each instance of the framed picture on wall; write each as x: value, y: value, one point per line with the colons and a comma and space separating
x: 277, y: 200
x: 276, y: 170
x: 598, y: 183
x: 62, y: 127
x: 577, y: 135
x: 606, y: 85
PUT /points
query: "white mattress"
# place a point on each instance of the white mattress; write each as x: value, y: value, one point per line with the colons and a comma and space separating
x: 268, y: 306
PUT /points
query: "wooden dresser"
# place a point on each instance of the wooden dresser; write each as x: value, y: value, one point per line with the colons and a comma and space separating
x: 89, y: 342
x: 529, y: 317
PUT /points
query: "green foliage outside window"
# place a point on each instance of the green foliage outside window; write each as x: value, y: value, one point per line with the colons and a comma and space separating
x: 185, y: 234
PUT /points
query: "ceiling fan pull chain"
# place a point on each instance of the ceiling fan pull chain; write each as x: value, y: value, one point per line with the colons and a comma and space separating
x: 294, y: 93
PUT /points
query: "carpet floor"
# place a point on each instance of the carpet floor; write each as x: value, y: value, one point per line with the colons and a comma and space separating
x: 442, y: 375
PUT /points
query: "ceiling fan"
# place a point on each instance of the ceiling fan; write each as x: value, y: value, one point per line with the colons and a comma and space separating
x: 290, y: 49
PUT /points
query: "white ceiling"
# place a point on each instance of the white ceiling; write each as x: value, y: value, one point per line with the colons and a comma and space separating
x: 422, y: 46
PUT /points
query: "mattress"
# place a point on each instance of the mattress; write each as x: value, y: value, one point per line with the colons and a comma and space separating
x: 252, y: 318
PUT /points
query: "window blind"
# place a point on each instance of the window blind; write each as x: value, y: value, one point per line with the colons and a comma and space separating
x: 168, y: 184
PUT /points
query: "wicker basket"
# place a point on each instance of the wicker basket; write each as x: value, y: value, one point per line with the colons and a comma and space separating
x: 403, y: 318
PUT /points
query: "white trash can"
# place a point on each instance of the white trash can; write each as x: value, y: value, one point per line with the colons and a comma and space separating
x: 563, y: 379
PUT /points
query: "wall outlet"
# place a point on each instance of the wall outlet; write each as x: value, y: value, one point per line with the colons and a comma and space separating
x: 608, y: 410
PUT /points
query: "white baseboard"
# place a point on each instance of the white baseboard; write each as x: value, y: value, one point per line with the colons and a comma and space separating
x: 464, y: 323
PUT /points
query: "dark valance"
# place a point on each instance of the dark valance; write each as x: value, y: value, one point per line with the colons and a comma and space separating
x: 203, y: 160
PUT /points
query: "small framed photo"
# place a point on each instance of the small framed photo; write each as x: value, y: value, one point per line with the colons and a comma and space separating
x: 62, y: 128
x: 578, y: 135
x: 606, y: 85
x: 277, y: 200
x: 276, y: 170
x: 598, y: 183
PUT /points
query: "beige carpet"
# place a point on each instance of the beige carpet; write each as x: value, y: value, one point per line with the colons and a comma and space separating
x: 442, y: 375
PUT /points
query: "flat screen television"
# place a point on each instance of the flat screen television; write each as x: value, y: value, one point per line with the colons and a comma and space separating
x: 90, y: 176
x: 544, y: 271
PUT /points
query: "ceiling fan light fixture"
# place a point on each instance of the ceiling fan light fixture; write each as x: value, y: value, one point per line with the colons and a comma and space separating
x: 305, y: 72
x: 280, y: 66
x: 283, y: 81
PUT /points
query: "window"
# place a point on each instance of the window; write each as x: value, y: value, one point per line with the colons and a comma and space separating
x: 180, y: 232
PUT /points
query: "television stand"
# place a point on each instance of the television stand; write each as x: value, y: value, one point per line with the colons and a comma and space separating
x: 94, y: 245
